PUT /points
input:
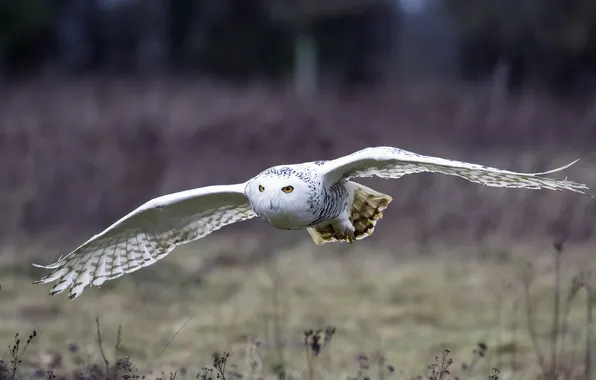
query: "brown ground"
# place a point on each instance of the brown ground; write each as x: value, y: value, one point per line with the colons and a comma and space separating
x: 444, y: 266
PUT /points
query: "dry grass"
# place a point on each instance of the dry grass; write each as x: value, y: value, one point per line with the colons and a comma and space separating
x: 404, y: 310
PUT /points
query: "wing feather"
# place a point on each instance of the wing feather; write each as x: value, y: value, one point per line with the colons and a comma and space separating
x: 147, y: 235
x: 388, y: 162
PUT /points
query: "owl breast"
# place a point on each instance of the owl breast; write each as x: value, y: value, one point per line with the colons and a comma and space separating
x: 285, y: 218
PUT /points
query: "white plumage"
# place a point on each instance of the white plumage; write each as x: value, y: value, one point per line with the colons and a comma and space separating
x: 316, y: 196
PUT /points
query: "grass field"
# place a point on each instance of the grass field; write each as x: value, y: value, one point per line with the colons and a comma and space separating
x: 175, y: 315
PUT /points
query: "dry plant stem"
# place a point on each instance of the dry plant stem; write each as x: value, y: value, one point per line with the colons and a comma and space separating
x: 277, y: 331
x: 514, y: 335
x: 473, y: 363
x: 118, y: 341
x: 565, y: 320
x: 314, y: 342
x: 381, y: 368
x: 499, y: 321
x: 529, y: 319
x: 175, y: 334
x: 253, y: 360
x: 16, y: 353
x: 556, y: 309
x: 499, y: 307
x: 576, y: 285
x: 14, y: 363
x: 495, y: 374
x: 589, y: 324
x: 309, y: 357
x: 219, y: 363
x: 439, y: 371
x: 311, y: 367
x: 100, y: 344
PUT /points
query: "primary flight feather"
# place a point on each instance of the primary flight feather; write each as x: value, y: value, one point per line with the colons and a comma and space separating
x: 317, y: 196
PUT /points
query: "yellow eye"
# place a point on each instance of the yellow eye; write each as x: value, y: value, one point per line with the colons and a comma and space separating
x: 287, y: 189
x: 261, y: 188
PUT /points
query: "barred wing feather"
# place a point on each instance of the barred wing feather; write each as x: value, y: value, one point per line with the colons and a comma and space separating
x: 147, y: 235
x: 388, y: 162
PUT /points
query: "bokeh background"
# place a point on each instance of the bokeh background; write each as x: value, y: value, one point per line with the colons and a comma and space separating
x: 105, y: 104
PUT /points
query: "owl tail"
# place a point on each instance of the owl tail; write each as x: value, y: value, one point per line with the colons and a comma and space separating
x: 367, y: 208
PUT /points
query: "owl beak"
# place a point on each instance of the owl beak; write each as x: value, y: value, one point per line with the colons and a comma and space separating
x: 273, y: 206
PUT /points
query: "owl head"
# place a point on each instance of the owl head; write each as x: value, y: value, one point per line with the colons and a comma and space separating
x: 283, y: 195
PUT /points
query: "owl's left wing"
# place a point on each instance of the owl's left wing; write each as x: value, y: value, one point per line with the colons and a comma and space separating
x: 388, y: 162
x: 147, y: 235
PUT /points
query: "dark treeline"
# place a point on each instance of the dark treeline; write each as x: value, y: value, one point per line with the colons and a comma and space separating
x: 547, y: 41
x: 552, y: 42
x: 230, y: 38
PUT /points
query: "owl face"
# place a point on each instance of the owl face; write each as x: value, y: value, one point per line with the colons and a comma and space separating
x: 281, y: 198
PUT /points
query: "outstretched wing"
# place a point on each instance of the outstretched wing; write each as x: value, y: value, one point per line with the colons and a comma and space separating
x: 148, y: 234
x: 388, y: 162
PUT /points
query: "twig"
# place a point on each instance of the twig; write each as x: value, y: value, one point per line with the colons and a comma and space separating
x: 103, y: 354
x: 589, y: 324
x: 556, y: 307
x: 499, y: 317
x: 277, y: 330
x: 514, y: 335
x: 309, y: 354
x: 219, y: 363
x: 529, y: 315
x: 118, y: 341
x: 176, y: 334
x: 252, y: 358
x: 576, y: 285
x: 16, y: 353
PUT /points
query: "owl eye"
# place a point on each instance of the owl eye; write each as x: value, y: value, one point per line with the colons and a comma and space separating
x: 287, y: 189
x: 261, y: 188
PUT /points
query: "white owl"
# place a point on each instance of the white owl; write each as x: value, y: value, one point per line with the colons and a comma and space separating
x: 317, y: 196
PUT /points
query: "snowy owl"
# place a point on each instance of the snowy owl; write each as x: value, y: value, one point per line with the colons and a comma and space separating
x: 317, y: 196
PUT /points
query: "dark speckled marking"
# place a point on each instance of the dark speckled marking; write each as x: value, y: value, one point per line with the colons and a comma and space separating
x: 334, y: 202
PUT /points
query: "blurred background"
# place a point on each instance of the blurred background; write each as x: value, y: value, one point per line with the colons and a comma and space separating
x: 105, y: 104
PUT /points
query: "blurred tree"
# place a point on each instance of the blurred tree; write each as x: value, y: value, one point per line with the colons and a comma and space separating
x: 130, y: 35
x: 234, y: 39
x: 73, y: 35
x: 24, y: 29
x: 428, y: 42
x: 357, y: 42
x: 349, y: 40
x: 539, y: 41
x: 189, y: 26
x: 117, y: 35
x: 549, y: 41
x: 273, y: 38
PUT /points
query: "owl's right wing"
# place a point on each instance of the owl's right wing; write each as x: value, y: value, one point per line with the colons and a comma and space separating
x: 389, y: 162
x: 148, y: 234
